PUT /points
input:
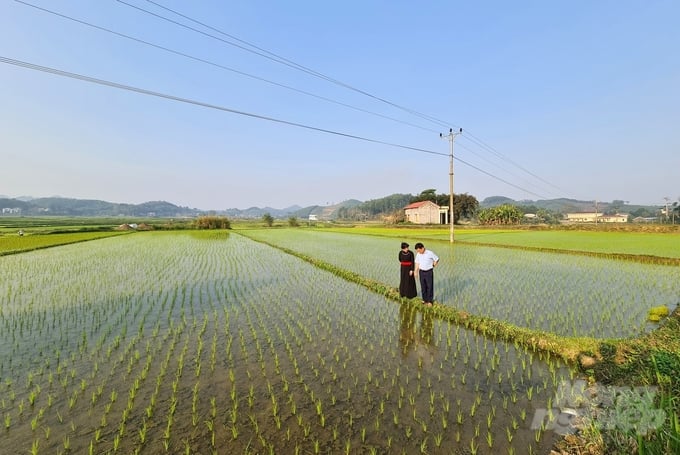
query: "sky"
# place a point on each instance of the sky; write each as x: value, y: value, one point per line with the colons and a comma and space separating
x: 215, y: 105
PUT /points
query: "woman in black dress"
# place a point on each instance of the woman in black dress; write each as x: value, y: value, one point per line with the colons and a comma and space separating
x: 407, y: 282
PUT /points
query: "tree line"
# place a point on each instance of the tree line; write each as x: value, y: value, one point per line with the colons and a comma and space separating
x: 392, y: 207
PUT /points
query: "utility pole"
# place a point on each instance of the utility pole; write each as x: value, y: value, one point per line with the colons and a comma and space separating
x: 451, y: 137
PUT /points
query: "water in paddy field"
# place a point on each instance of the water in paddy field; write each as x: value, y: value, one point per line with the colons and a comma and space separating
x: 569, y: 295
x: 169, y: 342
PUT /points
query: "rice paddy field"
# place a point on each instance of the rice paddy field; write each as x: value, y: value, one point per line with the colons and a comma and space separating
x: 570, y: 295
x: 212, y: 342
x: 12, y: 244
x: 635, y: 241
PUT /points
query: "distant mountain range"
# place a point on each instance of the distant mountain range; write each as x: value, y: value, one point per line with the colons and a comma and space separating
x: 564, y: 205
x: 322, y: 212
x: 59, y: 206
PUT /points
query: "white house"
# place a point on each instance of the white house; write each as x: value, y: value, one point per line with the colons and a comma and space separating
x: 583, y: 217
x: 648, y: 219
x: 423, y: 212
x: 618, y: 218
x: 595, y: 217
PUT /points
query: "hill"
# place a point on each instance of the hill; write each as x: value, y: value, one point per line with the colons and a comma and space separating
x: 257, y: 212
x: 349, y: 209
x: 322, y: 212
x: 58, y: 206
x: 564, y: 205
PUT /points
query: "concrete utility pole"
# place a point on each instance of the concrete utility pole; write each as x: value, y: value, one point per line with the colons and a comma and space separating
x: 451, y: 137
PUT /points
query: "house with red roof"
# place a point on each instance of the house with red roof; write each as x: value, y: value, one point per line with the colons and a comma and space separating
x: 425, y: 212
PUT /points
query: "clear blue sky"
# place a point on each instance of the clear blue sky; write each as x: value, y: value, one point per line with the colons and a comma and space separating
x: 577, y: 99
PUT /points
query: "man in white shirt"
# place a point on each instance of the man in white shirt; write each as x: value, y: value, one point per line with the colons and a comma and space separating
x: 426, y: 261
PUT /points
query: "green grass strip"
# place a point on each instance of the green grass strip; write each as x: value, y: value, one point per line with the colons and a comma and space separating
x: 640, y: 258
x: 15, y: 244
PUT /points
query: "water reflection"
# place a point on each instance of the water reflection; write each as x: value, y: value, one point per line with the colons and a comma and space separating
x: 427, y: 328
x: 407, y: 330
x: 410, y: 333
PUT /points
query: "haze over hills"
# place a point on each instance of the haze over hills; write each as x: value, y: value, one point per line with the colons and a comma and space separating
x: 326, y: 212
x: 59, y: 206
x: 564, y: 205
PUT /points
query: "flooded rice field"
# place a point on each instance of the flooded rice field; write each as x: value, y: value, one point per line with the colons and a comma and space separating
x: 213, y: 343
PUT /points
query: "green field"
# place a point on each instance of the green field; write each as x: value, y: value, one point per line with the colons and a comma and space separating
x: 204, y: 342
x: 569, y: 295
x: 633, y: 243
x: 167, y: 342
x: 35, y: 225
x: 11, y: 244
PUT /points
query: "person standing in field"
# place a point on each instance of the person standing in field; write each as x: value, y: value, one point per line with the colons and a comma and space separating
x: 426, y: 261
x: 407, y: 282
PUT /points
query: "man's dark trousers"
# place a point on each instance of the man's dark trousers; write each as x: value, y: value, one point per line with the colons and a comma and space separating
x: 427, y: 285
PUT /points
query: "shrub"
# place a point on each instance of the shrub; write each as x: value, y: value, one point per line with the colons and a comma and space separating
x: 212, y: 222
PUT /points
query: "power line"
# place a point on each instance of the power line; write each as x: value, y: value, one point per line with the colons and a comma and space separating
x: 257, y: 50
x: 81, y: 77
x: 499, y: 166
x: 500, y: 155
x: 217, y: 65
x: 276, y: 58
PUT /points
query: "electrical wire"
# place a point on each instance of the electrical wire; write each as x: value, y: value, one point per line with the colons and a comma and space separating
x: 482, y: 144
x: 498, y: 166
x: 81, y: 77
x: 257, y: 50
x: 84, y: 78
x: 275, y: 57
x: 217, y: 65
